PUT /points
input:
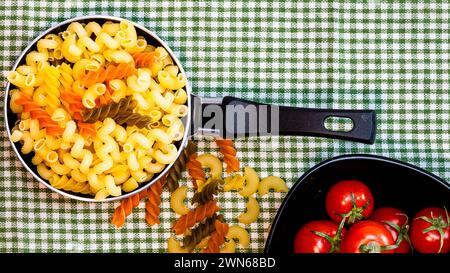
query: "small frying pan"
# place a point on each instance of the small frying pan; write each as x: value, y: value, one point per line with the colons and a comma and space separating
x: 229, y: 111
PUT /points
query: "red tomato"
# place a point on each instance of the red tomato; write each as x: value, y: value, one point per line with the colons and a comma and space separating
x: 430, y: 231
x: 396, y: 221
x: 368, y: 237
x: 318, y: 237
x: 350, y: 198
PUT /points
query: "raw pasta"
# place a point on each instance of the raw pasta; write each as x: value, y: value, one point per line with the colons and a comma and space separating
x: 179, y: 166
x: 112, y: 110
x: 152, y: 209
x: 272, y: 182
x: 195, y: 216
x: 240, y: 234
x: 203, y: 230
x: 195, y: 170
x: 217, y: 237
x: 208, y: 192
x: 177, y: 201
x: 229, y: 154
x: 252, y: 213
x: 80, y: 99
x: 134, y: 119
x: 125, y: 208
x: 111, y: 72
x: 235, y: 182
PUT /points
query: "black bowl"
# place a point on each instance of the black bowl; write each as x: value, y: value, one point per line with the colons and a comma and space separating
x: 393, y: 183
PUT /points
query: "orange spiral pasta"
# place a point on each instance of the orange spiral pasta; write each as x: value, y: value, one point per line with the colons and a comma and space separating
x: 144, y: 59
x: 74, y: 106
x: 198, y: 214
x: 195, y: 170
x: 36, y: 112
x: 229, y: 154
x: 86, y: 129
x: 111, y: 72
x: 152, y: 209
x: 217, y: 238
x: 125, y: 208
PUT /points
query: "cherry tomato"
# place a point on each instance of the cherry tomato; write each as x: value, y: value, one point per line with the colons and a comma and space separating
x: 430, y: 231
x: 368, y: 237
x: 318, y: 237
x: 396, y: 221
x: 350, y: 198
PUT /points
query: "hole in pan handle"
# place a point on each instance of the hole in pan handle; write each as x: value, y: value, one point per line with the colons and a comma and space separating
x: 231, y: 117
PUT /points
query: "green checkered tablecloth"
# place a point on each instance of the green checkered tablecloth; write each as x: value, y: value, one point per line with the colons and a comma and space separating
x: 389, y: 56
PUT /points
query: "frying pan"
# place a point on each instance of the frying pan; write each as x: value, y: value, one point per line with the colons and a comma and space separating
x: 392, y: 183
x: 289, y: 120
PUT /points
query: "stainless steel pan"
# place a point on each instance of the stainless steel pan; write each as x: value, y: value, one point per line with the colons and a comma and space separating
x: 282, y: 120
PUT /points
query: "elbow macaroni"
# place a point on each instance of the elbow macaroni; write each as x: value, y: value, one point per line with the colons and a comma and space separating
x: 177, y: 201
x: 272, y: 183
x: 251, y: 182
x: 212, y: 163
x: 252, y: 212
x: 240, y: 234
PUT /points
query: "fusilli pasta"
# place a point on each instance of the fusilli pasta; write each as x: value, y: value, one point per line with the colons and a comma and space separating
x: 152, y: 209
x: 217, y: 237
x: 111, y: 72
x: 144, y: 59
x: 134, y: 119
x: 125, y: 208
x: 195, y: 170
x: 40, y: 114
x: 179, y: 166
x: 229, y: 154
x: 208, y: 191
x: 112, y: 110
x: 205, y: 228
x: 195, y: 216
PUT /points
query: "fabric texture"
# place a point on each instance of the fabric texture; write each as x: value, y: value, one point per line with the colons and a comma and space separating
x: 391, y: 57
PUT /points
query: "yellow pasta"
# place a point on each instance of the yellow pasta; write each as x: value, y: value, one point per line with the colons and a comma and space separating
x: 139, y: 83
x: 251, y: 182
x: 21, y: 81
x: 44, y: 171
x: 70, y: 50
x: 64, y: 183
x: 130, y: 39
x: 177, y: 201
x: 164, y: 102
x: 252, y: 213
x: 240, y: 234
x: 272, y: 183
x: 117, y: 56
x: 110, y: 28
x: 235, y: 182
x: 166, y: 157
x: 171, y: 82
x: 129, y: 185
x: 212, y: 163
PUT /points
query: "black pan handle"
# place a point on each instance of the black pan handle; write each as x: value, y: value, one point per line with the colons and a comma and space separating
x: 247, y: 118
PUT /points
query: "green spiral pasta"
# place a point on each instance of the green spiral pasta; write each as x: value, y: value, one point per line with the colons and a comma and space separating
x: 176, y: 172
x: 112, y: 110
x: 208, y: 192
x: 205, y: 228
x: 131, y: 119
